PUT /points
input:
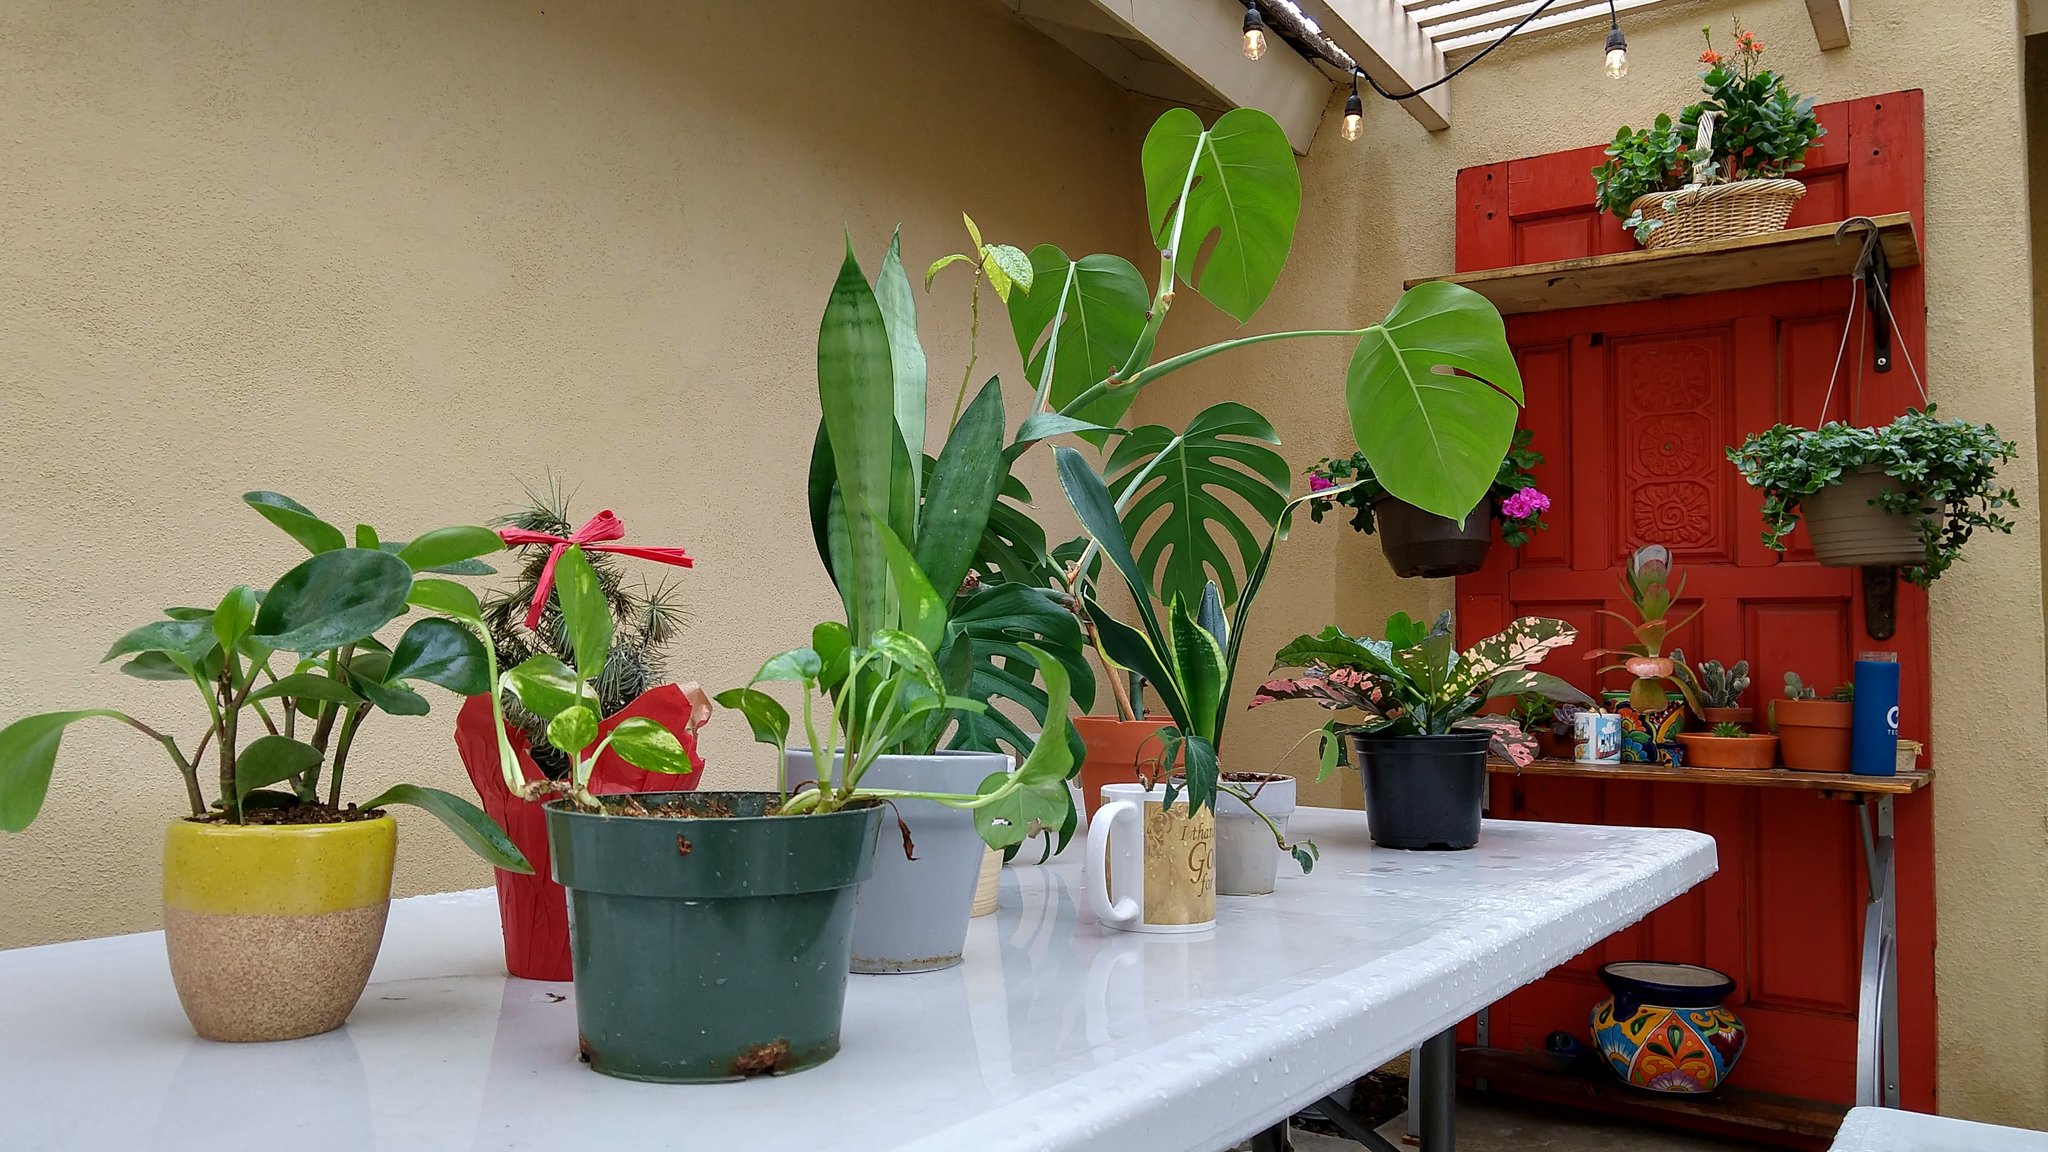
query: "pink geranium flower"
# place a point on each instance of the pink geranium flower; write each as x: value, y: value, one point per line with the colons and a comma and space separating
x: 1524, y: 504
x: 1317, y: 482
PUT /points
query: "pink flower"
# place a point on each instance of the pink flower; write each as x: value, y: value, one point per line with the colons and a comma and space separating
x: 1524, y: 504
x: 1317, y: 482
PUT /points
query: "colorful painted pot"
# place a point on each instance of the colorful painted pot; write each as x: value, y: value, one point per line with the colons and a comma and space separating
x: 1642, y: 733
x: 1664, y: 1029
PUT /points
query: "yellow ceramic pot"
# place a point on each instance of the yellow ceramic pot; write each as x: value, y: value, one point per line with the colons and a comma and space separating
x: 272, y: 929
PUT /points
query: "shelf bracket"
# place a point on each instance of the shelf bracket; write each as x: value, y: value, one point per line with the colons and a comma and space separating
x: 1880, y: 602
x: 1874, y: 275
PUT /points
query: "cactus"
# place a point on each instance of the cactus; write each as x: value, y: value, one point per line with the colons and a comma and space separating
x: 1722, y: 687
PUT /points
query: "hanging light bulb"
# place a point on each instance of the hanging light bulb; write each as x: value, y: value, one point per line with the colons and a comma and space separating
x: 1617, y: 45
x: 1354, y: 113
x: 1254, y: 31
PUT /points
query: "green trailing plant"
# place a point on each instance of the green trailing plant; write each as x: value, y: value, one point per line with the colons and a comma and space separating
x: 1640, y: 161
x: 1648, y: 583
x: 645, y: 620
x: 1722, y: 687
x: 1950, y: 466
x: 1514, y: 500
x: 1728, y: 730
x: 1416, y: 683
x: 288, y: 675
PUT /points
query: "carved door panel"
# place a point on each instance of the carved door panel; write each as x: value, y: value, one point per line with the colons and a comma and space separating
x: 1633, y: 406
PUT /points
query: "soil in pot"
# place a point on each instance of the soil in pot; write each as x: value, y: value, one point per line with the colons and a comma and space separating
x: 272, y: 928
x: 711, y: 939
x: 1423, y: 792
x: 1116, y: 751
x: 1424, y: 544
x: 1247, y: 855
x: 1849, y: 531
x: 1813, y: 735
x: 1704, y: 751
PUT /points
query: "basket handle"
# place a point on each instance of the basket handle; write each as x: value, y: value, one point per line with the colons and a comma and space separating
x: 1703, y: 148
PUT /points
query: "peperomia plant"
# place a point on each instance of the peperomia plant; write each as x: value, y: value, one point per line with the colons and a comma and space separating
x: 1950, y: 466
x: 288, y: 675
x: 1416, y: 683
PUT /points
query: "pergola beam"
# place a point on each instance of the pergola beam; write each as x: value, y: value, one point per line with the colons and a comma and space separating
x: 1391, y: 48
x: 1830, y: 22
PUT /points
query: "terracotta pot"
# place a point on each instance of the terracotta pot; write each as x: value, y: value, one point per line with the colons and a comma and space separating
x: 1418, y: 543
x: 1702, y: 751
x: 272, y: 928
x: 1116, y: 748
x: 1742, y: 716
x: 533, y: 911
x: 1813, y: 735
x: 1848, y: 531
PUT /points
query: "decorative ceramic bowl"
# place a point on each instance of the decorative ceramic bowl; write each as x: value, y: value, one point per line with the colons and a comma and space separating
x: 1664, y: 1029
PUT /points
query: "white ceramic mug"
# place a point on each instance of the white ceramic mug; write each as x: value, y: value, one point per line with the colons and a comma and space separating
x: 1150, y: 869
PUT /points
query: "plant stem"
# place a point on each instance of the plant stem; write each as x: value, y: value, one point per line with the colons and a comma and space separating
x: 1153, y: 372
x: 341, y: 747
x: 186, y: 768
x: 324, y: 727
x: 973, y: 351
x: 229, y: 798
x: 1052, y: 343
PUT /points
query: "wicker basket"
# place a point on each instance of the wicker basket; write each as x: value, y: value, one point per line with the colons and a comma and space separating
x: 1718, y: 211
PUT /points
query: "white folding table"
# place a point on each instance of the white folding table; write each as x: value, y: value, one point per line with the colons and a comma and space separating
x: 1054, y: 1034
x: 1887, y: 1130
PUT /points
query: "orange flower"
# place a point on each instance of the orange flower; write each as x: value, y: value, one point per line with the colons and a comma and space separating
x: 1711, y: 58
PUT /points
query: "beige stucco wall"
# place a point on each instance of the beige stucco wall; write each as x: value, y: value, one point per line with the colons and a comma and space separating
x: 395, y: 259
x: 1381, y: 210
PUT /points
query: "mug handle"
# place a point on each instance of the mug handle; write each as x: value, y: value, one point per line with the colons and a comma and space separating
x: 1127, y: 910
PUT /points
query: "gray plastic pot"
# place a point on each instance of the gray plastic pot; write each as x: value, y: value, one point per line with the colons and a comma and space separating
x: 1247, y: 856
x: 913, y: 914
x: 1850, y: 531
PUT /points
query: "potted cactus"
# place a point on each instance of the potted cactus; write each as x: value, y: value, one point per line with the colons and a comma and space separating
x: 1814, y: 731
x: 1720, y: 691
x: 1729, y: 746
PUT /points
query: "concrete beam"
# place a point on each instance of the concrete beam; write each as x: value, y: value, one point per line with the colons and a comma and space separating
x: 1830, y: 22
x: 1392, y: 49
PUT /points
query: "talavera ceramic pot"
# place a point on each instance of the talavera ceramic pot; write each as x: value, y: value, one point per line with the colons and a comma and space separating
x: 1665, y: 1028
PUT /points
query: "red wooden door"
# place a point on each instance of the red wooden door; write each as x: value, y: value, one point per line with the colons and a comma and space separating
x: 1633, y: 405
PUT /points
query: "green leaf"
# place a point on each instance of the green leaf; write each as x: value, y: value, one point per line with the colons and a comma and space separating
x: 1091, y: 502
x: 154, y: 666
x: 801, y: 665
x: 1009, y: 820
x: 647, y: 745
x: 906, y: 356
x: 765, y: 715
x: 307, y: 686
x: 1236, y: 181
x: 269, y: 759
x: 834, y: 645
x: 940, y: 265
x: 545, y: 685
x: 393, y: 698
x: 1143, y: 653
x: 1045, y: 425
x: 856, y: 391
x: 973, y: 233
x: 969, y: 472
x: 441, y: 652
x: 313, y: 533
x: 332, y: 599
x: 366, y: 537
x: 445, y: 596
x: 457, y: 568
x: 444, y: 546
x: 237, y: 612
x: 28, y: 755
x: 1435, y: 439
x: 922, y: 612
x: 1052, y: 759
x: 469, y: 823
x: 573, y: 729
x: 585, y: 612
x: 1005, y: 266
x: 1524, y: 642
x: 189, y: 613
x: 1198, y: 670
x: 1189, y: 491
x: 181, y: 640
x: 1088, y: 328
x: 989, y: 630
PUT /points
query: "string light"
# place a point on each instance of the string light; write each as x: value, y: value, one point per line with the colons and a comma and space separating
x: 1617, y: 45
x: 1254, y: 31
x: 1354, y: 113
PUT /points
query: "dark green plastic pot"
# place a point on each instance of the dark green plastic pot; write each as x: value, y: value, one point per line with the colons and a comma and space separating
x: 713, y: 948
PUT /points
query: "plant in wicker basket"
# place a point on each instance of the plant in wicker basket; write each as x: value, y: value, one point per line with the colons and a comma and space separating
x: 645, y: 620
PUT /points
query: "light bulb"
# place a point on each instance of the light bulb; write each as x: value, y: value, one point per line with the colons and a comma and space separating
x: 1617, y: 63
x: 1254, y: 43
x: 1354, y: 116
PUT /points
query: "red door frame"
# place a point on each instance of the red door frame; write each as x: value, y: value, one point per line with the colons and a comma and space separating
x: 1541, y: 208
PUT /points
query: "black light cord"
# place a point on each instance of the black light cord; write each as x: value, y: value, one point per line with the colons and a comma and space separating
x: 1476, y: 58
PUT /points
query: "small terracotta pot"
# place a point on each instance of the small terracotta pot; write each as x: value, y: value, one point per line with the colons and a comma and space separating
x: 272, y: 928
x: 1116, y: 748
x: 1702, y: 751
x: 1743, y: 716
x: 1813, y: 735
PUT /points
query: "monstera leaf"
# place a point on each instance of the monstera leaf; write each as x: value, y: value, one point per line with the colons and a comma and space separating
x: 1085, y: 317
x: 1237, y: 182
x: 1180, y: 494
x: 998, y: 621
x: 1435, y: 438
x: 1013, y: 546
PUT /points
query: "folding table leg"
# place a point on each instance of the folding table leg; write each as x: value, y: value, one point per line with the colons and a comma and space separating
x: 1274, y: 1139
x: 1877, y: 1007
x: 1439, y: 1092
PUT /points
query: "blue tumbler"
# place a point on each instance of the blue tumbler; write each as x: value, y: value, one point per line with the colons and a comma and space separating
x: 1874, y: 727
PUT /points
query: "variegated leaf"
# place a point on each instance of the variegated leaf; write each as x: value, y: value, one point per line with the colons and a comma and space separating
x: 1526, y: 641
x: 1506, y: 738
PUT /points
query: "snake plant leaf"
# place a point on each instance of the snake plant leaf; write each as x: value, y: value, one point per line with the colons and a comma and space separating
x: 857, y: 394
x: 1210, y: 616
x: 919, y: 607
x: 1089, y: 497
x: 906, y: 356
x: 586, y: 614
x: 964, y: 483
x: 765, y: 715
x: 646, y: 745
x: 1143, y: 653
x: 1526, y: 641
x: 1435, y: 438
x: 1181, y: 494
x: 476, y: 830
x: 1083, y: 318
x: 821, y: 485
x: 28, y: 755
x: 445, y: 546
x: 333, y: 598
x: 1198, y: 669
x: 441, y: 652
x: 268, y: 759
x: 1236, y: 181
x: 297, y: 520
x: 996, y: 623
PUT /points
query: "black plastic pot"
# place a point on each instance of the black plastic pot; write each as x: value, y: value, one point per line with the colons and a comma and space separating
x: 711, y: 948
x: 1419, y: 543
x: 1423, y: 792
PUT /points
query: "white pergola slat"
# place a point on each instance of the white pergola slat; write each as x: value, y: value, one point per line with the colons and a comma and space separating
x: 1456, y: 27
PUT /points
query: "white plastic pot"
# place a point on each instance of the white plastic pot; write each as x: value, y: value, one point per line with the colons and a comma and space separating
x: 1247, y: 856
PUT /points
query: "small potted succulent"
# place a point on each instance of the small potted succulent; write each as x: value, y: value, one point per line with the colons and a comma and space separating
x: 1650, y: 718
x: 275, y: 891
x: 1907, y: 495
x: 1423, y: 742
x: 1423, y: 544
x: 1720, y: 693
x: 1728, y: 745
x: 1722, y: 168
x: 1813, y: 731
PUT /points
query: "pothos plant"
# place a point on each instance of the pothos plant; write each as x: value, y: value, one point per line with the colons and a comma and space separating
x: 1416, y: 683
x: 1514, y: 500
x: 288, y: 675
x: 1950, y: 466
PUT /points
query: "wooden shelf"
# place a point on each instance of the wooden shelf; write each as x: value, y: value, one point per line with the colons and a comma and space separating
x: 1837, y: 782
x: 1549, y: 1077
x: 1745, y: 262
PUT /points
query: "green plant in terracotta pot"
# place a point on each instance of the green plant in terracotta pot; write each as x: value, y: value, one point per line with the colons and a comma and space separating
x: 1729, y: 745
x: 275, y: 891
x: 1814, y: 731
x: 1720, y: 690
x: 1650, y: 718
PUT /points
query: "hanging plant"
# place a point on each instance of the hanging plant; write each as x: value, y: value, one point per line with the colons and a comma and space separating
x: 1514, y: 498
x: 1945, y: 475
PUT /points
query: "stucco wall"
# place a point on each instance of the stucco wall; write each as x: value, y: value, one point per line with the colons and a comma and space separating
x: 397, y: 259
x: 1381, y: 210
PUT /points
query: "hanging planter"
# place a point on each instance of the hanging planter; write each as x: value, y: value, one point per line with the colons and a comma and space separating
x: 1423, y: 544
x: 1851, y: 526
x: 1700, y: 215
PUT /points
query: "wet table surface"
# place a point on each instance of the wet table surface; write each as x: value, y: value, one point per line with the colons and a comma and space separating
x: 1054, y: 1034
x: 1884, y: 1130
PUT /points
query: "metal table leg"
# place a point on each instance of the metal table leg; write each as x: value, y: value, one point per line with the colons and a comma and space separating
x: 1439, y: 1092
x: 1877, y: 1008
x: 1274, y: 1139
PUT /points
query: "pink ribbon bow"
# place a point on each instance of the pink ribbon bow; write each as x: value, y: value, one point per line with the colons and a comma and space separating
x: 591, y: 538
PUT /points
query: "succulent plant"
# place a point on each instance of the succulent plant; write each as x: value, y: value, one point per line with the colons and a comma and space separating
x: 1797, y: 689
x: 1722, y: 687
x: 1727, y: 729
